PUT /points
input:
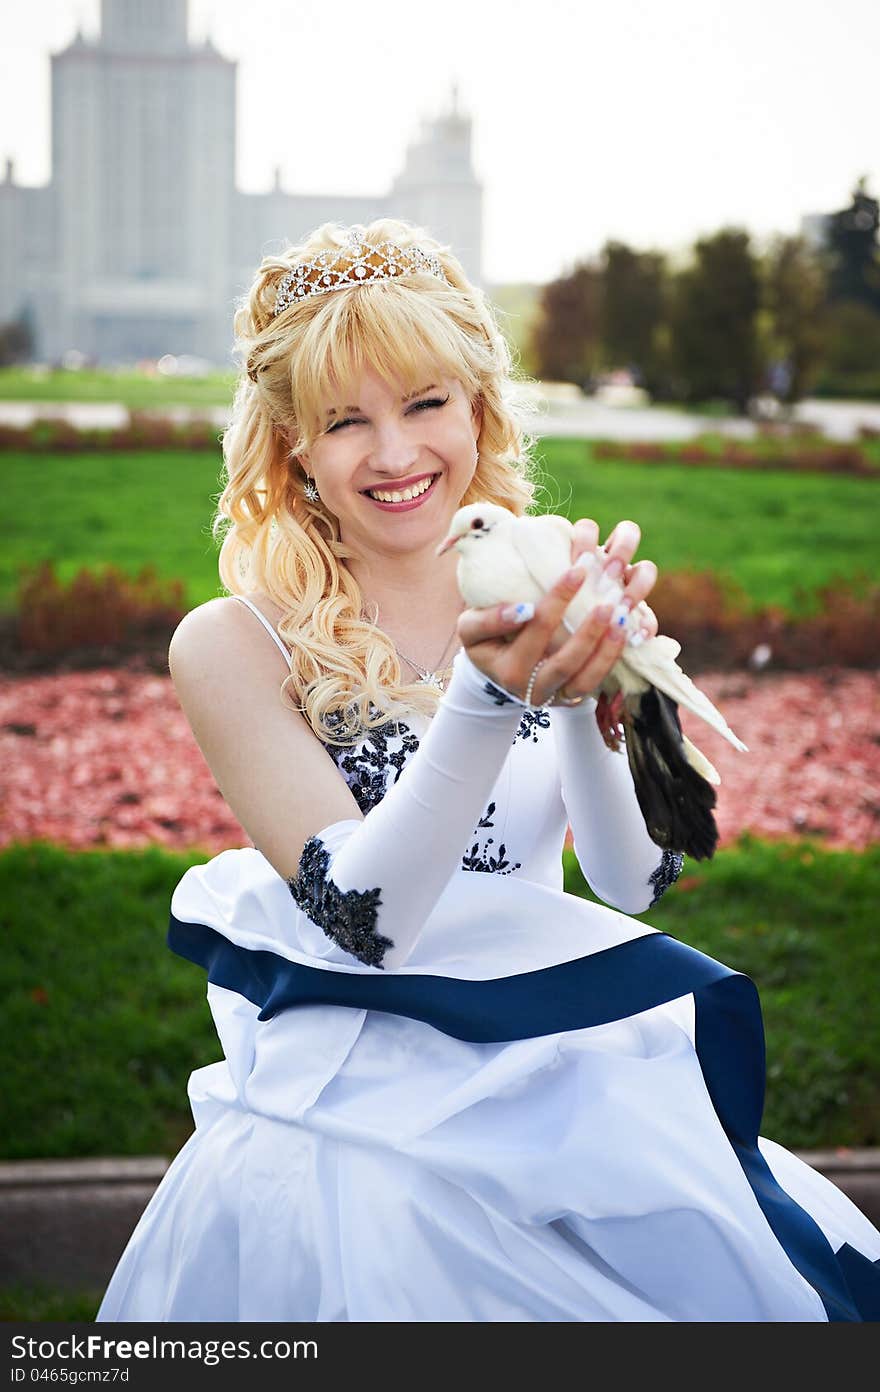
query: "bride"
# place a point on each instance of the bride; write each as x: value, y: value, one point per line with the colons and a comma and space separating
x: 448, y: 1090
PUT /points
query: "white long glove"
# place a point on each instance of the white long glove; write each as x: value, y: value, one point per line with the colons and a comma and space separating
x: 612, y: 845
x: 373, y: 895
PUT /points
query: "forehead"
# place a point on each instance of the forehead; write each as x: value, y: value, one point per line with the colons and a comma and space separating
x: 368, y: 390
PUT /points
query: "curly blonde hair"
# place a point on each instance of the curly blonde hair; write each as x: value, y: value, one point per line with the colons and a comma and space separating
x: 345, y: 675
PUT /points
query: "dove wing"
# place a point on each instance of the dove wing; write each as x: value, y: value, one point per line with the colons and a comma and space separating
x: 655, y: 661
x: 544, y: 545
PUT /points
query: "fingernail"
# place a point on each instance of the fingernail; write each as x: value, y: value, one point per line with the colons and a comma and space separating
x: 576, y: 576
x: 603, y: 613
x: 518, y: 613
x: 619, y: 615
x: 614, y: 568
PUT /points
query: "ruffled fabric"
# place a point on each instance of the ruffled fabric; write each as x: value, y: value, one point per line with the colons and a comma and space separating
x: 355, y: 1160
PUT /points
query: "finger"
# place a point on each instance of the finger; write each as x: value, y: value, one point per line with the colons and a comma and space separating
x: 585, y: 537
x: 650, y: 625
x: 498, y: 621
x: 641, y: 581
x: 621, y: 546
x: 586, y: 656
x: 600, y: 662
x: 532, y: 641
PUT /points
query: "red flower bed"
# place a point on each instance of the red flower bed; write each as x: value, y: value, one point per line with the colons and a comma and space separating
x: 106, y: 758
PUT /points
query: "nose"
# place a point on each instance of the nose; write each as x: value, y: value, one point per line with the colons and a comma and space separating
x: 394, y: 450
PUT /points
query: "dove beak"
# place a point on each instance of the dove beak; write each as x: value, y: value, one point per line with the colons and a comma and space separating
x: 446, y: 545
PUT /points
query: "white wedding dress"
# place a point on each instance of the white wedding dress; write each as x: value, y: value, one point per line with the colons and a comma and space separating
x: 548, y: 1113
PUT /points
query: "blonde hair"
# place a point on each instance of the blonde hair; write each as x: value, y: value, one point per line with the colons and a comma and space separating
x: 345, y: 674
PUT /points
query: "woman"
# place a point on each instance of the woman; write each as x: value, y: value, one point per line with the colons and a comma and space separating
x: 450, y: 1091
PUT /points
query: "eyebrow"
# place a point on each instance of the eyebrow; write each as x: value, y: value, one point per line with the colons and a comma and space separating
x: 404, y: 399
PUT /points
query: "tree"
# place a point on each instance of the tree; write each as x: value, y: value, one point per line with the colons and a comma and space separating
x: 714, y: 312
x: 17, y: 340
x: 633, y: 310
x: 566, y: 335
x: 794, y: 296
x: 851, y: 358
x: 853, y: 253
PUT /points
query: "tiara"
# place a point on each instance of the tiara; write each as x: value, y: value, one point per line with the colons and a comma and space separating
x: 357, y: 262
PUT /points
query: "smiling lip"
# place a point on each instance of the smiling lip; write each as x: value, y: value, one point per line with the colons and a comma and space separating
x: 398, y: 487
x: 399, y: 484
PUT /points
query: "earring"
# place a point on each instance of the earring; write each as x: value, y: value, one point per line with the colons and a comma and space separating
x: 311, y: 491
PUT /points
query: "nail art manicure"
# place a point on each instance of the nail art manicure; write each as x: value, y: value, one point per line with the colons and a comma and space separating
x: 518, y: 613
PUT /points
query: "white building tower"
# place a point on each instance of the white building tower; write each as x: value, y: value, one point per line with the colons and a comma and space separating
x: 437, y: 186
x: 141, y: 242
x: 143, y: 156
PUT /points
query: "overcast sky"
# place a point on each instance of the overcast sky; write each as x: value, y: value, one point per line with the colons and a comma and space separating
x: 651, y: 122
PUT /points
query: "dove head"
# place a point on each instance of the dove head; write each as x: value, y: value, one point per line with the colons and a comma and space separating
x: 473, y: 524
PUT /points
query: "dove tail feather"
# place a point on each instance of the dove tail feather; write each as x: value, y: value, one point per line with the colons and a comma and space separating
x: 676, y: 800
x: 697, y: 760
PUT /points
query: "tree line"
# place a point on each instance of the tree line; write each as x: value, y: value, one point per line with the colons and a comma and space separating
x: 733, y: 322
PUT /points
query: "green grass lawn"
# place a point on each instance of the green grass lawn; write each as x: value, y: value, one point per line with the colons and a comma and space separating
x: 42, y: 1302
x: 128, y: 510
x: 103, y: 1024
x: 133, y: 389
x: 779, y: 536
x: 772, y: 533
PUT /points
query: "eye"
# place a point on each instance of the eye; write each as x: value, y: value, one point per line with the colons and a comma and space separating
x: 477, y: 524
x: 340, y: 425
x: 430, y: 402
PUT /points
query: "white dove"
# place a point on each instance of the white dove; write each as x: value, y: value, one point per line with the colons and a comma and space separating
x: 505, y: 559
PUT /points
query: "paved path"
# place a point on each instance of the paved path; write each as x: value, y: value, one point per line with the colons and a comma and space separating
x: 584, y: 418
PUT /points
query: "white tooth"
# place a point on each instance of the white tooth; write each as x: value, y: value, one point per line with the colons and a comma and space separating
x: 406, y: 496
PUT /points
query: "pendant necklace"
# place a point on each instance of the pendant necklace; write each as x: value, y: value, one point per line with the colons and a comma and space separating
x: 426, y: 677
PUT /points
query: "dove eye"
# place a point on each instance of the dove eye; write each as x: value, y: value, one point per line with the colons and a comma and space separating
x: 477, y: 524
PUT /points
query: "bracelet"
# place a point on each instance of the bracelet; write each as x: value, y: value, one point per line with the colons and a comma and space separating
x: 556, y: 696
x: 531, y: 685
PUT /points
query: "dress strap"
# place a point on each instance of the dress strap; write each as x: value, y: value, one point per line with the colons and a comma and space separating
x: 265, y: 622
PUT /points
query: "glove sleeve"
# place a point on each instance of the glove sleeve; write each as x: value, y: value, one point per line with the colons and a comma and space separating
x: 373, y: 895
x: 620, y: 862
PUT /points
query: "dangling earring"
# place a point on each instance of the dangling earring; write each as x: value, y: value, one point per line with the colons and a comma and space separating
x: 310, y: 490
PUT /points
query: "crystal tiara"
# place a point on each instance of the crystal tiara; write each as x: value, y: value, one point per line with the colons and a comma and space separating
x: 355, y: 263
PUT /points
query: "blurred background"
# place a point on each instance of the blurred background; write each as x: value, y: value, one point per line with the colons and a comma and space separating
x: 674, y: 210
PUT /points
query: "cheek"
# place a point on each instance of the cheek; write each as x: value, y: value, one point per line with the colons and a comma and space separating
x: 459, y: 443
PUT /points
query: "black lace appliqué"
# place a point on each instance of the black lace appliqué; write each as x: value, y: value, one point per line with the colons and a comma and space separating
x: 480, y: 858
x: 500, y: 697
x: 666, y: 874
x: 349, y: 916
x: 367, y: 767
x: 532, y: 721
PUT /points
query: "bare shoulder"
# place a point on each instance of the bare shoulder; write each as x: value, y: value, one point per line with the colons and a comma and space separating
x: 222, y: 634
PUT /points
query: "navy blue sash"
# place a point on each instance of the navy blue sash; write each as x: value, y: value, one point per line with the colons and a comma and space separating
x: 596, y: 990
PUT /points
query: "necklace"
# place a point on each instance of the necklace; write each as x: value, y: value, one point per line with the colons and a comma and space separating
x: 427, y: 677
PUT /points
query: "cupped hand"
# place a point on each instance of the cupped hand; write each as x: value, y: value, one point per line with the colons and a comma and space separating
x: 506, y: 649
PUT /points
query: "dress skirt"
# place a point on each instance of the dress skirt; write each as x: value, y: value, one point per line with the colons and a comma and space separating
x: 550, y: 1113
